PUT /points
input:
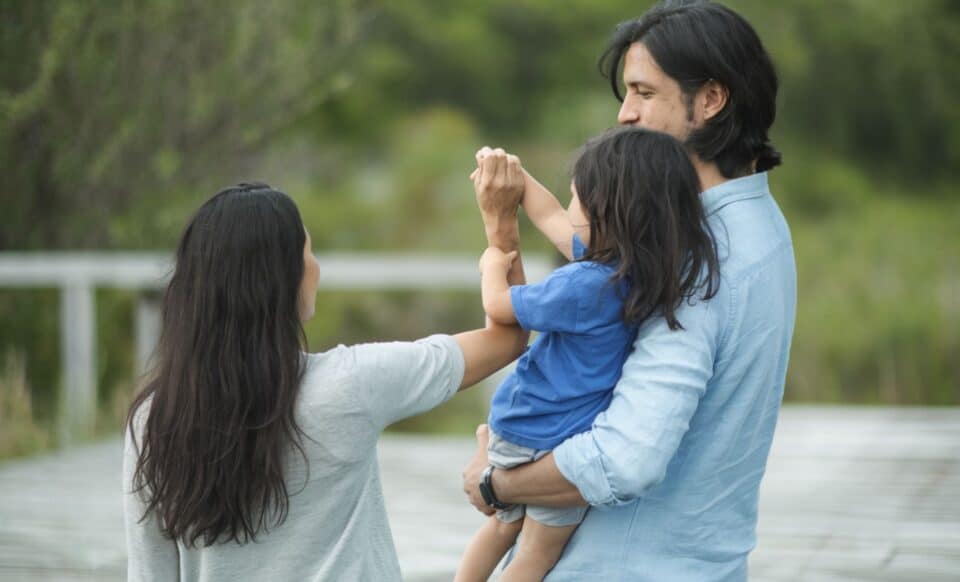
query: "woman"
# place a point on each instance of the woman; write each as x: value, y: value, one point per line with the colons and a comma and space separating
x: 247, y: 458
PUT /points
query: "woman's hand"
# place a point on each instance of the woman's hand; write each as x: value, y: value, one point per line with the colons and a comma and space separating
x: 498, y: 182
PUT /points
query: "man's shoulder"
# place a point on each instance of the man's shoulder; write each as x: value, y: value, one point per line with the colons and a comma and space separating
x: 750, y: 235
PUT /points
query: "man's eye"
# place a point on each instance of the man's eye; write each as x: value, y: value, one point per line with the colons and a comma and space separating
x: 646, y: 94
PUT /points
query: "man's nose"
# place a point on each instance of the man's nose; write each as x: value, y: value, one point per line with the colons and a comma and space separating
x: 628, y: 114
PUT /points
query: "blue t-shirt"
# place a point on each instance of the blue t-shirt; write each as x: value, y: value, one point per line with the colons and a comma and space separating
x: 567, y: 376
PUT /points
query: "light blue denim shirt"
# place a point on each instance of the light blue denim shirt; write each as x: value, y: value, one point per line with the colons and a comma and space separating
x: 672, y: 468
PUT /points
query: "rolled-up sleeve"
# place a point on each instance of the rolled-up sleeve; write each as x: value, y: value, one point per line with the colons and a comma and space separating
x: 627, y: 450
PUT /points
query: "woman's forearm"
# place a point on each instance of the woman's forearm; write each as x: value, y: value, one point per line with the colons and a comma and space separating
x: 487, y: 350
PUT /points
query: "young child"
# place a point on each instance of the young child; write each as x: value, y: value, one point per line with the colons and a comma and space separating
x: 633, y: 224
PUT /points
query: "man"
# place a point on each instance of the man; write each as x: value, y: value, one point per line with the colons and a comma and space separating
x: 672, y: 468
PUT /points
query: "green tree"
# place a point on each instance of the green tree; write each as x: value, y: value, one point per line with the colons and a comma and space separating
x: 132, y: 106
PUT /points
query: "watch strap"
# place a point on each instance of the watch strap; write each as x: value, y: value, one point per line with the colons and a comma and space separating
x: 486, y: 490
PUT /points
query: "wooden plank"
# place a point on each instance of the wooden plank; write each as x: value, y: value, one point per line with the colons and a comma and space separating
x: 850, y: 494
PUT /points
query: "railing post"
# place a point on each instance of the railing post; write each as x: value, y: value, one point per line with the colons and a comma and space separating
x: 146, y: 328
x: 78, y: 402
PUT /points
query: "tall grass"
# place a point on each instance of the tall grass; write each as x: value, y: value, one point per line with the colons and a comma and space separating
x: 19, y: 432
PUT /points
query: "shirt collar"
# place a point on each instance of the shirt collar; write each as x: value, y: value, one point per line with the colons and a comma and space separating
x: 579, y: 249
x: 752, y: 186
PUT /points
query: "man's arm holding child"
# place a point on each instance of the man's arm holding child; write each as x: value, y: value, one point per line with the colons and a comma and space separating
x: 627, y: 450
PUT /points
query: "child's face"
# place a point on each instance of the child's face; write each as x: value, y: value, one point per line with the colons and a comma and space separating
x: 578, y: 218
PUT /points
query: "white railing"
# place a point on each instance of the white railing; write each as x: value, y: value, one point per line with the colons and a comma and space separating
x: 78, y: 274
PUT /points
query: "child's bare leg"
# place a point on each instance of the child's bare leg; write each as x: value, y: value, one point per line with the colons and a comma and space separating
x: 538, y: 551
x: 486, y: 549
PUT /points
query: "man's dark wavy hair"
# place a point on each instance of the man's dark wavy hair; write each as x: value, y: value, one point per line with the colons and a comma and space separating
x: 641, y: 193
x: 695, y: 41
x: 219, y: 418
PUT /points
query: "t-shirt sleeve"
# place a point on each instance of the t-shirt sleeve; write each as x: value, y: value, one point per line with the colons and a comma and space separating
x: 551, y: 305
x: 150, y: 555
x: 397, y: 380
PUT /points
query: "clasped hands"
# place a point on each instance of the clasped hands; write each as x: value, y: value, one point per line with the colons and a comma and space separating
x: 499, y: 183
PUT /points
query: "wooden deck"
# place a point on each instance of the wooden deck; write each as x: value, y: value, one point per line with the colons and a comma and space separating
x: 850, y: 494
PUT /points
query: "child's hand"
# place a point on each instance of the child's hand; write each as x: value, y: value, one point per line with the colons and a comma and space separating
x: 493, y: 259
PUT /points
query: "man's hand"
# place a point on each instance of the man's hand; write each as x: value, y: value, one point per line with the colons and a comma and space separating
x: 498, y: 182
x: 474, y: 471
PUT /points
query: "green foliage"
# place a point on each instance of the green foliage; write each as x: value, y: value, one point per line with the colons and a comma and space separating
x: 879, y: 299
x: 114, y: 108
x: 20, y: 434
x: 872, y: 82
x: 31, y: 320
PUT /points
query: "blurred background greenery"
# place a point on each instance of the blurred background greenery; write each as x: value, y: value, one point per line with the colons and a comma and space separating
x: 120, y: 118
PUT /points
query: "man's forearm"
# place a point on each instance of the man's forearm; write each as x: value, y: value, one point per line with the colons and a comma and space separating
x: 537, y: 483
x: 504, y: 233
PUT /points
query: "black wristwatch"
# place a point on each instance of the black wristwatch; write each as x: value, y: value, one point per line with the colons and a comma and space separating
x: 486, y: 490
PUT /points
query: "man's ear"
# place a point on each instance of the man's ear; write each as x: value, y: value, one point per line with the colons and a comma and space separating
x: 713, y: 98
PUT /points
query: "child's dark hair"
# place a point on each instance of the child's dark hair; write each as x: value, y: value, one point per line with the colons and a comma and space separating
x: 642, y: 195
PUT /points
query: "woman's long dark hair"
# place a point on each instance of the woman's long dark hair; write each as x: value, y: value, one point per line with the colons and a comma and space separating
x: 641, y: 193
x: 226, y: 372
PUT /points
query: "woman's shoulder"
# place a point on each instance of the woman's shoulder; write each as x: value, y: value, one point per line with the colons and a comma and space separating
x: 357, y: 362
x: 330, y: 368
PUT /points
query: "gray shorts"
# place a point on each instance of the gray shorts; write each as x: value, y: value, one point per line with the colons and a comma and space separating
x: 503, y: 454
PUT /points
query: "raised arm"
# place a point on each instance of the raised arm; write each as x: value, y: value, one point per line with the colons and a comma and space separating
x: 487, y: 350
x: 498, y: 205
x: 548, y: 215
x: 495, y: 265
x: 498, y: 183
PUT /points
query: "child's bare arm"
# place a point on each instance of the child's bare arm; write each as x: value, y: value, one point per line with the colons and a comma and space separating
x: 494, y: 288
x: 544, y: 210
x: 548, y: 215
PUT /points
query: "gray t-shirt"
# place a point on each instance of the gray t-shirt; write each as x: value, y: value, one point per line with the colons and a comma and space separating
x: 337, y: 525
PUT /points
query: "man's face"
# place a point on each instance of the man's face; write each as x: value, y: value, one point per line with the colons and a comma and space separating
x: 653, y: 100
